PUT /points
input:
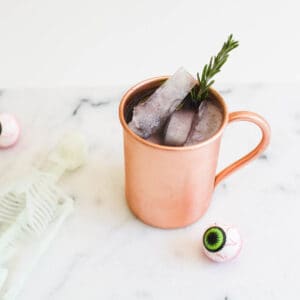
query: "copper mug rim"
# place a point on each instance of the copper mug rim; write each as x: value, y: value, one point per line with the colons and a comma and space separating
x: 139, y: 86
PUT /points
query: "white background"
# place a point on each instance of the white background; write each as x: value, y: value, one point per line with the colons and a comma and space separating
x: 91, y: 43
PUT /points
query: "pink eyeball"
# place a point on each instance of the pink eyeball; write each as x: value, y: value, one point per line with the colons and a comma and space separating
x: 9, y: 130
x: 221, y: 243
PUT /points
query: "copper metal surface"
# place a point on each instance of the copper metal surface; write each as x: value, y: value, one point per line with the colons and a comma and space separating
x: 171, y: 187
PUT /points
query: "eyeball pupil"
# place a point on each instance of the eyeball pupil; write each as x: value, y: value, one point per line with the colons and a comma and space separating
x: 212, y: 238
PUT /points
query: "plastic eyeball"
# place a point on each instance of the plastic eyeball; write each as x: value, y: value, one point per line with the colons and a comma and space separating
x: 9, y: 130
x: 221, y: 242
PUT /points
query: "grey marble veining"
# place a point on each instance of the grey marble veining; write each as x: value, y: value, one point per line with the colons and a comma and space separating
x: 87, y: 101
x: 104, y: 252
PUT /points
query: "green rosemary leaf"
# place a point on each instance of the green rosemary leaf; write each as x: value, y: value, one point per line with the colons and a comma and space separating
x: 212, y: 68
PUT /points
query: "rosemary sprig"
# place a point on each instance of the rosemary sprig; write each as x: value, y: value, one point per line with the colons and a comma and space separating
x: 200, y: 92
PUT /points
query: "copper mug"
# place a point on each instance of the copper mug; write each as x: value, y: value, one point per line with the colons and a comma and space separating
x: 171, y: 187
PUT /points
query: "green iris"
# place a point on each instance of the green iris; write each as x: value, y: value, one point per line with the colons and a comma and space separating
x: 214, y: 239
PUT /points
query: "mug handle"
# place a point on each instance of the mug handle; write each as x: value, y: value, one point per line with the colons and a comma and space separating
x: 265, y: 139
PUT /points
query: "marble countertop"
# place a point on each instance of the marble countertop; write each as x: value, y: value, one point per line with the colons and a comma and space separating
x: 104, y: 252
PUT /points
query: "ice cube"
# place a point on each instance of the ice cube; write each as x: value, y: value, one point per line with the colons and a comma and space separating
x: 149, y: 116
x: 178, y: 127
x: 206, y: 123
x: 156, y: 138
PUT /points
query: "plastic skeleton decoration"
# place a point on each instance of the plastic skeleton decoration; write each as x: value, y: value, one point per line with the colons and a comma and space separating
x: 31, y: 213
x: 221, y: 242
